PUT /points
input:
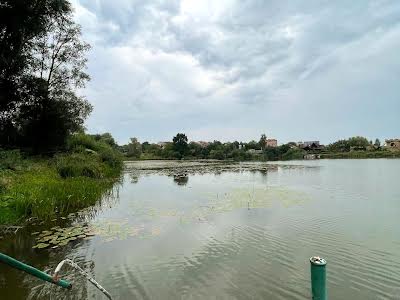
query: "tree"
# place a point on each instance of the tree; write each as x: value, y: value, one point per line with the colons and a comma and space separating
x: 252, y: 145
x: 21, y: 22
x: 134, y: 148
x: 263, y: 141
x: 180, y: 144
x: 339, y: 146
x: 377, y: 143
x: 40, y: 105
x: 358, y: 141
x: 106, y: 138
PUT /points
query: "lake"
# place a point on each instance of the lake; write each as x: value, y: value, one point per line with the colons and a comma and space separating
x: 191, y: 230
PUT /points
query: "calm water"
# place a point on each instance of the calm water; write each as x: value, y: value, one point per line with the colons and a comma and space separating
x: 244, y: 232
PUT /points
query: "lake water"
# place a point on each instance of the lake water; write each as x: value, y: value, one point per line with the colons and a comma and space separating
x: 215, y: 231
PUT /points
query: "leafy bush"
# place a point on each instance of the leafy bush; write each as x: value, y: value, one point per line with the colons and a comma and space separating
x: 83, y: 143
x: 80, y: 141
x: 111, y: 157
x: 293, y: 154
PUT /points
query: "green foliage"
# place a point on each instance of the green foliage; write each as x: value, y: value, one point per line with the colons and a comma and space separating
x: 11, y: 160
x: 347, y: 145
x: 79, y: 164
x: 252, y: 145
x: 42, y: 193
x: 377, y: 143
x: 44, y: 187
x: 293, y: 154
x: 100, y: 149
x: 134, y: 148
x: 180, y: 145
x: 339, y: 146
x: 217, y: 154
x: 105, y: 138
x: 358, y: 141
x: 362, y: 154
x: 263, y: 141
x: 42, y: 63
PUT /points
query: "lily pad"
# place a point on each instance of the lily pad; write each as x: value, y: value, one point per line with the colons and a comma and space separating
x: 41, y: 246
x: 45, y: 239
x: 46, y: 232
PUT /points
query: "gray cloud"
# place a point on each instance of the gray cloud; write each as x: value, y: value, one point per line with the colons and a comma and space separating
x: 234, y: 69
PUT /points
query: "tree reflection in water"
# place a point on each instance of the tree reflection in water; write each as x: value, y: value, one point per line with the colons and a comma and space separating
x: 181, y: 179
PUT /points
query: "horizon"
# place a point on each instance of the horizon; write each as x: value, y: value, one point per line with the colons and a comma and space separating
x: 230, y: 70
x: 382, y: 141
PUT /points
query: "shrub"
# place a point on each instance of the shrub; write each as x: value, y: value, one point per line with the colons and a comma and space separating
x: 111, y: 157
x: 80, y: 141
x: 83, y: 143
x: 78, y: 164
x: 293, y: 154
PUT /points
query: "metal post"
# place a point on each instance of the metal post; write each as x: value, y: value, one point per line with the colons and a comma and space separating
x: 318, y: 278
x: 32, y: 271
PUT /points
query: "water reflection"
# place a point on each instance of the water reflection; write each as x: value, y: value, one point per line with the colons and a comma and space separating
x: 181, y: 179
x: 246, y: 234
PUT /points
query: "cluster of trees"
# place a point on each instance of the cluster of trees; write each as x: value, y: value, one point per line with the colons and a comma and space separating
x: 42, y: 66
x: 357, y: 142
x: 180, y: 148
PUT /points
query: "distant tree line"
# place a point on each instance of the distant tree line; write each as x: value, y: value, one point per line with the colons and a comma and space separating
x: 42, y: 67
x: 181, y: 148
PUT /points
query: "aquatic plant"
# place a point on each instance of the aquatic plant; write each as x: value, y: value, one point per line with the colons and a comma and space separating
x: 58, y: 237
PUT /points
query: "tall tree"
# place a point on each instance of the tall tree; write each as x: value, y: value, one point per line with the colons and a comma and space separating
x: 263, y: 141
x: 377, y: 143
x: 21, y: 22
x: 134, y: 148
x: 180, y: 144
x: 42, y: 104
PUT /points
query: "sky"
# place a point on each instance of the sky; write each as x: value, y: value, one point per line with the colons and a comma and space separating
x: 231, y: 70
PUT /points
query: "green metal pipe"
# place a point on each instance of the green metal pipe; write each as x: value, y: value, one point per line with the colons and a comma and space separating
x: 32, y: 271
x: 318, y: 278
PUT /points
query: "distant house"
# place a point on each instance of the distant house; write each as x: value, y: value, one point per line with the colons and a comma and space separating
x: 311, y: 143
x: 271, y: 143
x: 311, y: 146
x: 393, y: 144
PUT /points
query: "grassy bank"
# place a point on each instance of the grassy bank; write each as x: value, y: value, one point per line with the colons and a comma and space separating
x: 48, y: 187
x: 362, y: 154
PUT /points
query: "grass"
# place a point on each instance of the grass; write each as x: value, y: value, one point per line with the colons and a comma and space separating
x: 47, y: 187
x: 43, y: 193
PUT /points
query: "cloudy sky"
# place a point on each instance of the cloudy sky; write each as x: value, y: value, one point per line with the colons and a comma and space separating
x: 231, y: 70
